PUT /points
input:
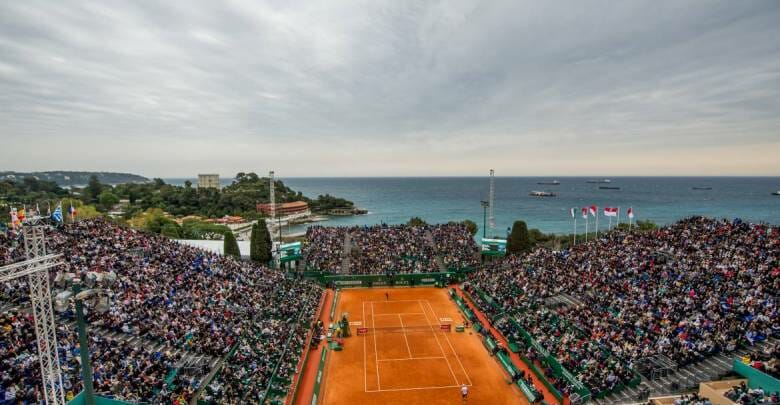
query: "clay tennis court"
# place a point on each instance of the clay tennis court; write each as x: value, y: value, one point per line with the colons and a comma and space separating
x: 406, y: 357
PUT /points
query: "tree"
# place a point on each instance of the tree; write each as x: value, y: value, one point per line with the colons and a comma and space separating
x: 264, y: 242
x: 416, y: 221
x: 518, y: 242
x: 107, y: 199
x: 93, y: 189
x: 231, y: 246
x: 471, y: 226
x: 254, y: 245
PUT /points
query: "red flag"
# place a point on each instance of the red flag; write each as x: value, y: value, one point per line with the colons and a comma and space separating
x: 585, y: 213
x: 610, y: 212
x: 594, y: 210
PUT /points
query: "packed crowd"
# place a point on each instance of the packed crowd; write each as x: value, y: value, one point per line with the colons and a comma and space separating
x: 132, y: 373
x: 247, y: 376
x: 455, y: 245
x: 180, y: 296
x: 687, y: 291
x: 391, y: 249
x: 324, y: 248
x: 767, y: 361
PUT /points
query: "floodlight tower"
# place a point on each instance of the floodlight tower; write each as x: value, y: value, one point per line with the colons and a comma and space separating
x: 36, y: 268
x: 491, y: 200
x: 272, y: 195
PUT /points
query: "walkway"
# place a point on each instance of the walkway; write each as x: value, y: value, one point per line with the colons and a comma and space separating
x: 346, y: 253
x: 308, y: 373
x: 548, y: 396
x: 436, y: 256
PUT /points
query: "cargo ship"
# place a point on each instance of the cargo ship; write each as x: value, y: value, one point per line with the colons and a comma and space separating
x: 549, y: 183
x: 602, y: 181
x: 541, y: 194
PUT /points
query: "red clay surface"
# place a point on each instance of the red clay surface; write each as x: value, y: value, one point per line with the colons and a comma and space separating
x: 307, y: 373
x: 408, y: 359
x: 518, y: 362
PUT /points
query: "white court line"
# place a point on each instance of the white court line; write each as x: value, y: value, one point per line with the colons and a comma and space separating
x: 415, y: 358
x: 376, y: 348
x: 419, y: 388
x: 401, y: 313
x: 409, y: 349
x: 438, y: 343
x: 387, y: 302
x: 450, y: 343
x: 365, y: 361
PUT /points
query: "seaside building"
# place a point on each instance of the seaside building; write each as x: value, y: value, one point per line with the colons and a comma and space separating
x: 295, y: 208
x: 208, y: 181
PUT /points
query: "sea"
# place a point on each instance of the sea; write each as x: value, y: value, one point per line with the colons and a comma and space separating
x: 663, y: 200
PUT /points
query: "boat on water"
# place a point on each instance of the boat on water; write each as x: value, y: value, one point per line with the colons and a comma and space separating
x: 549, y: 183
x: 542, y: 194
x: 776, y: 193
x: 608, y: 188
x: 602, y: 181
x: 702, y: 188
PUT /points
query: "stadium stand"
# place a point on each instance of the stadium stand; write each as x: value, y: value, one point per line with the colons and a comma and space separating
x: 175, y: 312
x: 714, y: 292
x: 390, y: 249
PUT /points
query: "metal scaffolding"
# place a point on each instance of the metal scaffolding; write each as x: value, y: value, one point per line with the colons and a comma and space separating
x: 36, y: 268
x: 272, y: 195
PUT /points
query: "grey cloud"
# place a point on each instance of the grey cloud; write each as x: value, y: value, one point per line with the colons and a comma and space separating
x: 181, y: 87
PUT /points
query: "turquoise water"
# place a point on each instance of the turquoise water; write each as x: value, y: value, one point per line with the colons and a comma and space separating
x: 441, y: 199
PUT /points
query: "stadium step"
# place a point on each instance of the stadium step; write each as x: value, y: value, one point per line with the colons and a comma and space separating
x: 437, y: 257
x: 346, y: 253
x: 688, y: 377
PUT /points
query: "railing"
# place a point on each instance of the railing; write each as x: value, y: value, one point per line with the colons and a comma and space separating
x: 756, y: 378
x: 491, y: 345
x: 307, y: 349
x: 218, y: 369
x: 274, y: 376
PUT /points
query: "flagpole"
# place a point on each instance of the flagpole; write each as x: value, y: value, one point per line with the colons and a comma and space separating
x: 574, y: 235
x: 618, y: 218
x: 597, y: 222
x: 609, y: 227
x: 586, y: 229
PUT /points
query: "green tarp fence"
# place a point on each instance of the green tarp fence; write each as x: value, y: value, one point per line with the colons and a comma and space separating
x: 550, y: 360
x: 318, y: 381
x: 275, y: 380
x: 490, y: 344
x: 382, y: 280
x: 463, y: 307
x: 756, y: 378
x: 374, y: 280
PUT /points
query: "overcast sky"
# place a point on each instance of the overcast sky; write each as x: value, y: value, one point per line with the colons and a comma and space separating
x: 351, y: 88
